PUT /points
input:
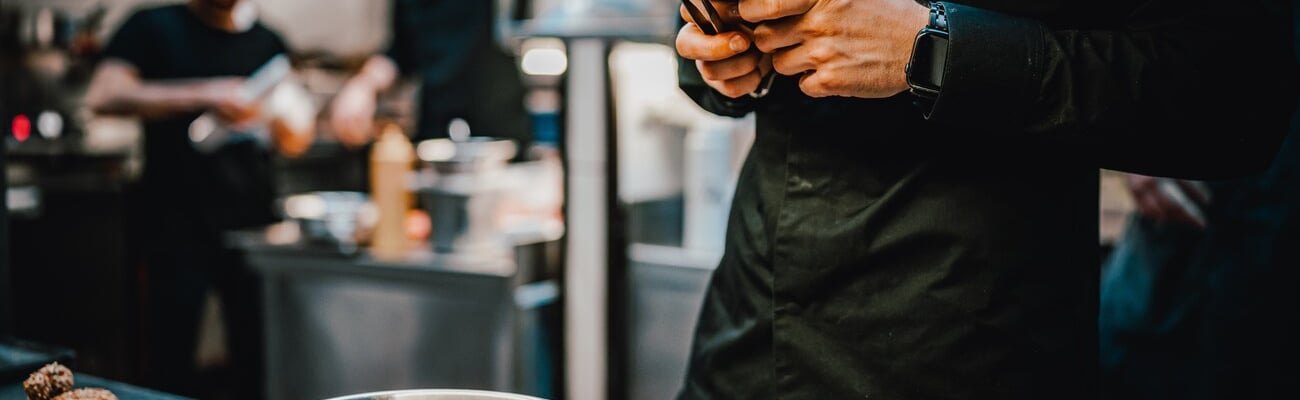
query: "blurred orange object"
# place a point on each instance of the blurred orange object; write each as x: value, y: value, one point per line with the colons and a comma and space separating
x: 291, y: 142
x: 418, y: 225
x: 293, y: 119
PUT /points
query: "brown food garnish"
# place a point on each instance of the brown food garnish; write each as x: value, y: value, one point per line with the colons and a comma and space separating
x: 87, y: 394
x: 48, y: 382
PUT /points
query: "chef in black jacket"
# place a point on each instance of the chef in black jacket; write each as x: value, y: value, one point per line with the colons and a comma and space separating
x: 167, y: 65
x: 936, y: 237
x: 448, y: 46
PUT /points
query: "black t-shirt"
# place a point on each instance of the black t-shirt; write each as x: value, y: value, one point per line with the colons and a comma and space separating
x: 231, y: 188
x: 448, y: 45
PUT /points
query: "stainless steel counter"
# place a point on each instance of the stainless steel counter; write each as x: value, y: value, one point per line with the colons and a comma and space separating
x: 336, y: 325
x: 666, y: 287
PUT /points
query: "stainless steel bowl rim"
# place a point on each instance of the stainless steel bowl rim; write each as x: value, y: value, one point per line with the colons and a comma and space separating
x: 398, y: 394
x: 475, y: 150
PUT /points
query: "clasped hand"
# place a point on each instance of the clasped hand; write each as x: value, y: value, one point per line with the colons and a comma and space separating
x: 852, y: 48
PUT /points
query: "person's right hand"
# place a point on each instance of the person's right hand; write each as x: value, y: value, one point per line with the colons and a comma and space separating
x: 727, y: 61
x: 223, y: 98
x: 352, y: 114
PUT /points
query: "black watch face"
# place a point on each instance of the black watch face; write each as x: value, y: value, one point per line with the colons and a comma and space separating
x: 929, y: 57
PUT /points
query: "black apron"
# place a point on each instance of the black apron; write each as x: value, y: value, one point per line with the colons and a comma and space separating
x: 888, y: 268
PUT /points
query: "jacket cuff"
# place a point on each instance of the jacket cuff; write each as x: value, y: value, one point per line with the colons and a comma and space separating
x: 994, y: 69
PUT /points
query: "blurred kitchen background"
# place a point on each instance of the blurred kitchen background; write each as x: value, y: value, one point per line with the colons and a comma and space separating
x: 575, y: 271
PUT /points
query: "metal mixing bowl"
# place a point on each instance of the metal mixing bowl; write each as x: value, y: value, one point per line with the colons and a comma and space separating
x: 327, y: 218
x: 436, y: 394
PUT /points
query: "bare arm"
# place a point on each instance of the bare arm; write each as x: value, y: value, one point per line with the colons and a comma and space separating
x: 117, y: 89
x: 352, y: 112
x: 378, y: 74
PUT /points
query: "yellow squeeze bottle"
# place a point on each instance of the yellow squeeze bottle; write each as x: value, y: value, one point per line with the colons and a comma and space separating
x: 391, y: 161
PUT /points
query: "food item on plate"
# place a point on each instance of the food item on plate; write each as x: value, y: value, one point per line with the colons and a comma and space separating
x: 87, y: 394
x: 54, y: 382
x: 48, y: 382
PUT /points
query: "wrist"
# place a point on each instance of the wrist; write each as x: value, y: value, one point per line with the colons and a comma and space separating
x: 918, y: 18
x: 361, y: 85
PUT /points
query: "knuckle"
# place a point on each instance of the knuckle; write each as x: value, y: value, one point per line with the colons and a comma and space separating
x: 729, y: 91
x: 682, y: 41
x: 814, y: 23
x: 772, y: 6
x: 782, y: 66
x: 709, y: 71
x: 749, y: 62
x: 819, y: 54
x: 763, y: 38
x: 753, y: 10
x: 754, y: 81
x: 812, y: 85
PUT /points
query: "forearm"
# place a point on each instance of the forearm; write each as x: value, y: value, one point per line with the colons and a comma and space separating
x: 115, y: 89
x: 154, y: 100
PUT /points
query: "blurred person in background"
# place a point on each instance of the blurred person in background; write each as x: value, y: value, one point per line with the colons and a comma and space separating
x: 167, y: 65
x: 1199, y: 299
x: 932, y: 232
x: 448, y: 46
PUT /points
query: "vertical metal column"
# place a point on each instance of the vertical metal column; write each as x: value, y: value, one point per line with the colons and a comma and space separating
x: 586, y: 261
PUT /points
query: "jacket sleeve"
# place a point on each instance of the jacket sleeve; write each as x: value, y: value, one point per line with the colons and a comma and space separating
x: 1192, y: 89
x: 691, y: 83
x: 688, y: 78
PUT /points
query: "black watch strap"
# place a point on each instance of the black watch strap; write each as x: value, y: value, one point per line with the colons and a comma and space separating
x: 938, y: 17
x: 925, y: 71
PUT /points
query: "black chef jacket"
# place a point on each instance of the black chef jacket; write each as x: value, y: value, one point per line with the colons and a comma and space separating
x: 879, y: 249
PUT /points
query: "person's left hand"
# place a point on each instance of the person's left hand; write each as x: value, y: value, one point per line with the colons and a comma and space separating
x: 856, y: 48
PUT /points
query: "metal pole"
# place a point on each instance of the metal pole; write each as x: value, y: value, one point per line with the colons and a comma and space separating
x: 586, y: 275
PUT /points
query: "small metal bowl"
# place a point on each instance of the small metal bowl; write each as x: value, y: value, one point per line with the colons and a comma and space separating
x: 475, y: 154
x: 436, y: 394
x: 330, y: 218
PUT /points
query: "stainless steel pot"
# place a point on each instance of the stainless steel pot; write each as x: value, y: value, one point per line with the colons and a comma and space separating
x: 328, y: 218
x: 436, y: 394
x: 463, y: 192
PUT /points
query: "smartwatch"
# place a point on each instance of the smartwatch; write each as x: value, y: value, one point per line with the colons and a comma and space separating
x: 929, y: 56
